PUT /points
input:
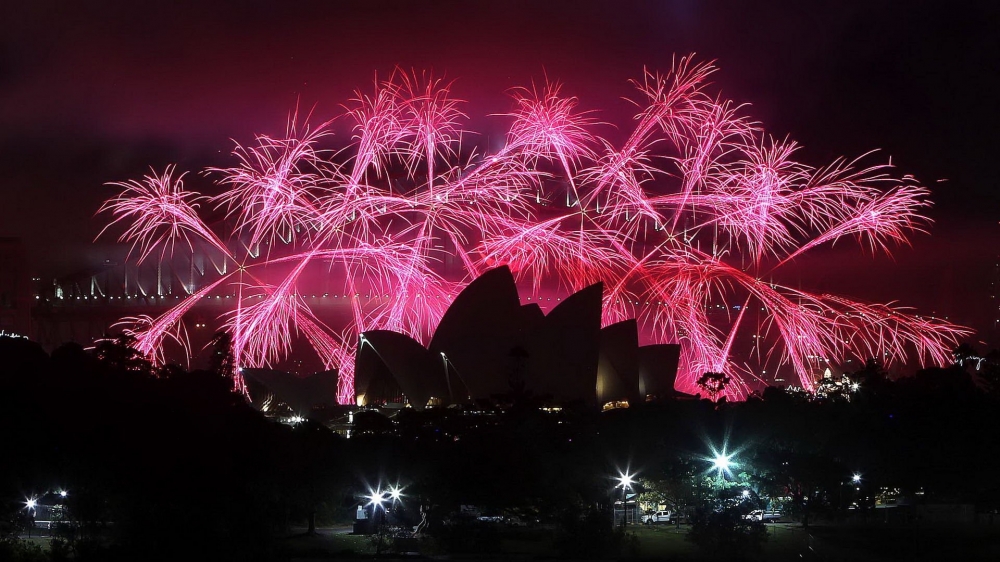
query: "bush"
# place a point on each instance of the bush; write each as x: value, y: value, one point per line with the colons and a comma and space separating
x: 21, y: 551
x: 594, y: 535
x: 467, y: 536
x: 726, y: 534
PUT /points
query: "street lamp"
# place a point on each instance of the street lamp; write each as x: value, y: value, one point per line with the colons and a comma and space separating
x: 625, y: 481
x: 375, y: 499
x: 721, y: 462
x: 856, y: 478
x: 386, y: 499
x: 30, y: 504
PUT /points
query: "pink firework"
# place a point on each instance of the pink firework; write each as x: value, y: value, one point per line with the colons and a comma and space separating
x: 689, y: 222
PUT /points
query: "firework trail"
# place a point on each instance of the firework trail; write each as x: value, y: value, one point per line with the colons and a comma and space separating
x: 696, y: 209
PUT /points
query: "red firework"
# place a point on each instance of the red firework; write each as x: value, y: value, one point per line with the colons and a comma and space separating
x: 697, y: 206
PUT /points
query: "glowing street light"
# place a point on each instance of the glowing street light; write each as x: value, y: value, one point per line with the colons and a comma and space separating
x: 30, y: 504
x: 395, y: 493
x: 722, y: 462
x: 856, y: 478
x: 625, y: 481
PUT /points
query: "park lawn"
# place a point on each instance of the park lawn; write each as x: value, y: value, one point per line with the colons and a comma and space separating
x: 664, y: 542
x: 915, y: 542
x: 667, y: 542
x: 43, y: 542
x: 846, y: 543
x: 528, y: 548
x: 323, y: 545
x: 785, y: 542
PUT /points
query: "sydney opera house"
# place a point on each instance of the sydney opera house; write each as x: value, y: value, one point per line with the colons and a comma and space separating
x: 490, y: 347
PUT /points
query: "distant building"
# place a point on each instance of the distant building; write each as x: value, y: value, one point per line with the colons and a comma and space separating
x: 488, y: 346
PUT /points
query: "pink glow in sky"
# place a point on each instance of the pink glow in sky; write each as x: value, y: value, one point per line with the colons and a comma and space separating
x: 697, y: 206
x: 91, y: 92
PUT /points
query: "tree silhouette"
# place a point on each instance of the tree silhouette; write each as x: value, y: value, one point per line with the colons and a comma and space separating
x: 713, y: 383
x: 872, y: 376
x: 120, y: 354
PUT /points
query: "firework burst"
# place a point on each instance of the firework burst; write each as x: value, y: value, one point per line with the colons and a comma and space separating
x: 692, y: 217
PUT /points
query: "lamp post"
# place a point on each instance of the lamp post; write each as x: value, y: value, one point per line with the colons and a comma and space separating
x: 377, y: 499
x: 30, y: 504
x: 856, y: 480
x: 721, y: 464
x: 395, y: 494
x: 625, y: 481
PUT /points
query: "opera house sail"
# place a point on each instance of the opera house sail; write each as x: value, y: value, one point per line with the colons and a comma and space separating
x: 489, y: 346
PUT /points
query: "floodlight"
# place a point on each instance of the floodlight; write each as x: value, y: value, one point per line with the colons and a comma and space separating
x: 625, y: 480
x: 721, y: 462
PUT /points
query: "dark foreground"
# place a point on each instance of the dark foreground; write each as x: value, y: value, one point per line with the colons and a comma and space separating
x: 786, y: 541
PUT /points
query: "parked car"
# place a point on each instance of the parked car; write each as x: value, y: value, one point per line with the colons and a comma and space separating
x: 664, y: 516
x: 761, y: 515
x: 771, y: 516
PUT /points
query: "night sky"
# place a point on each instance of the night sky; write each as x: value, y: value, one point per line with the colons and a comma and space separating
x: 98, y: 92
